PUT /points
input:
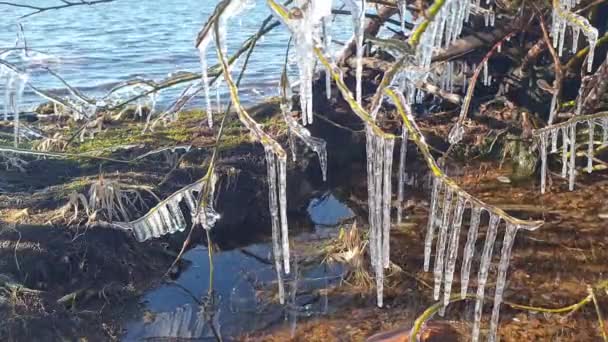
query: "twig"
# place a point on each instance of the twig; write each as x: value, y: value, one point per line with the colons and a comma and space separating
x: 66, y: 4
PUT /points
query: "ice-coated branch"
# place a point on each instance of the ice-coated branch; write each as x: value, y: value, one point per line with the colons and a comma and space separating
x: 167, y: 216
x: 564, y: 17
x: 448, y: 203
x: 416, y: 135
x: 276, y: 162
x: 548, y: 136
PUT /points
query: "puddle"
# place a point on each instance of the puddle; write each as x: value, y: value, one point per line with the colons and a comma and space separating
x: 245, y: 288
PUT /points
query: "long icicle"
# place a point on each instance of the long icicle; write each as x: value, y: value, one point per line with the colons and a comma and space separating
x: 428, y: 241
x: 402, y: 161
x: 441, y: 244
x: 469, y: 250
x: 453, y: 250
x: 503, y: 265
x: 482, y: 277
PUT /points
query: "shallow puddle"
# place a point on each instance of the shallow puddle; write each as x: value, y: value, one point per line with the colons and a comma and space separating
x: 245, y: 285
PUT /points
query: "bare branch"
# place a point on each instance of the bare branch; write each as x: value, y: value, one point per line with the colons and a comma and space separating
x: 39, y: 9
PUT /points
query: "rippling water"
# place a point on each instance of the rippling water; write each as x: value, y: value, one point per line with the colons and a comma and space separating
x: 99, y: 46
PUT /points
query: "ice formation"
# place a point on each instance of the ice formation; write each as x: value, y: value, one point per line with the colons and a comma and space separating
x: 448, y: 205
x: 223, y: 13
x: 14, y: 85
x: 357, y: 9
x: 317, y: 145
x: 402, y: 162
x: 379, y: 168
x: 276, y: 164
x: 167, y: 217
x: 402, y: 5
x: 568, y: 140
x: 564, y: 17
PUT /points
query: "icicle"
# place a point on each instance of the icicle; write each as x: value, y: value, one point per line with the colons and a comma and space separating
x: 485, y: 73
x: 402, y: 4
x: 167, y: 217
x: 327, y: 40
x: 565, y: 143
x: 590, y: 147
x: 283, y: 209
x: 453, y: 250
x: 482, y: 277
x: 386, y: 200
x: 441, y: 244
x: 503, y: 265
x: 271, y: 169
x: 572, y: 165
x: 543, y: 157
x: 564, y: 17
x: 202, y: 50
x: 428, y: 241
x: 402, y: 161
x: 316, y: 144
x: 357, y: 9
x: 469, y: 250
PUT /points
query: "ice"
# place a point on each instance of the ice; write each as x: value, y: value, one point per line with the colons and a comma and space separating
x: 167, y: 217
x: 486, y: 81
x: 543, y: 139
x: 202, y: 49
x: 503, y: 265
x: 386, y: 199
x: 357, y: 9
x: 469, y: 250
x: 482, y: 276
x: 572, y: 164
x: 380, y: 154
x: 402, y: 161
x: 446, y: 221
x: 453, y: 249
x: 233, y: 8
x: 564, y: 17
x: 327, y: 41
x: 428, y: 241
x: 317, y: 145
x: 402, y: 4
x: 565, y: 143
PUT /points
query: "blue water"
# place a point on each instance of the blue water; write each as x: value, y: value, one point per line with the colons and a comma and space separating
x: 98, y: 46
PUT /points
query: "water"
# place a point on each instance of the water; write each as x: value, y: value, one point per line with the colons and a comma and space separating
x: 98, y: 46
x: 245, y: 282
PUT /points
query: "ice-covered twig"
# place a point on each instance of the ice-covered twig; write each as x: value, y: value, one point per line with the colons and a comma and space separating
x: 548, y: 136
x: 564, y: 17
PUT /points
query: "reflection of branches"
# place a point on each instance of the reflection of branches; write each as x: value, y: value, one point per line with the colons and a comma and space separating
x: 64, y: 4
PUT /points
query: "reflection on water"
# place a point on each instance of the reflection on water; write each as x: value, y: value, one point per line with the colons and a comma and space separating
x: 245, y: 283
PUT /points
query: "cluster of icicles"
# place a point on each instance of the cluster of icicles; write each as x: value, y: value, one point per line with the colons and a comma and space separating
x: 168, y: 217
x: 564, y: 17
x: 448, y: 206
x: 550, y: 135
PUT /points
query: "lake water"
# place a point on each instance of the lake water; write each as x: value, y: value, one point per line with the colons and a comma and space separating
x: 95, y: 47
